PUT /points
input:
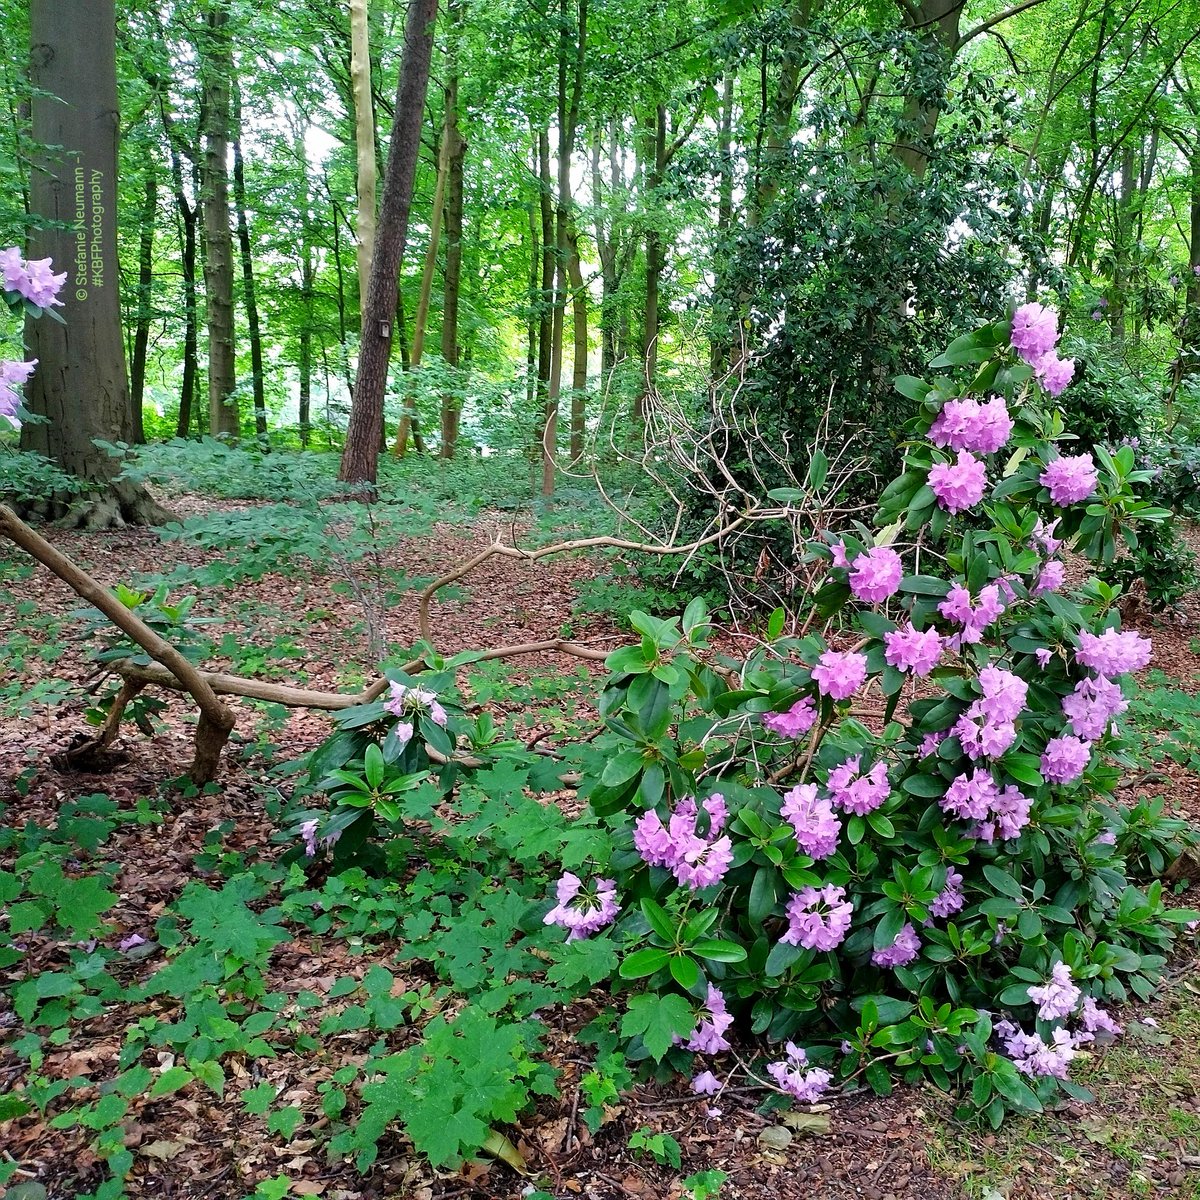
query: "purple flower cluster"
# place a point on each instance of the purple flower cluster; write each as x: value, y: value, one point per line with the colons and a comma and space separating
x: 1091, y: 707
x: 1034, y: 336
x: 33, y: 281
x: 1050, y: 578
x: 796, y: 1078
x: 1113, y: 652
x: 1065, y: 758
x: 959, y: 485
x: 1035, y: 1057
x: 970, y: 797
x: 818, y: 918
x: 856, y: 792
x: 812, y: 818
x: 794, y: 723
x: 876, y: 575
x: 904, y: 948
x: 695, y: 861
x: 974, y: 618
x: 1043, y: 535
x: 987, y: 728
x: 908, y: 649
x: 583, y: 911
x: 1008, y: 815
x: 12, y: 376
x: 405, y: 702
x: 1057, y: 997
x: 1096, y: 1020
x: 1070, y: 478
x: 712, y: 1022
x: 950, y: 899
x: 840, y: 673
x: 968, y: 425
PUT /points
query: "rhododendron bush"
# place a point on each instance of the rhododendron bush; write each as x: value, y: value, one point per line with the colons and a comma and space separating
x: 889, y: 842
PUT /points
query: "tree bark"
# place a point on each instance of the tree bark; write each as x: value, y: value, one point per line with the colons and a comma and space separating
x: 364, y: 142
x: 579, y: 319
x: 456, y: 149
x: 656, y: 255
x: 80, y: 386
x: 145, y: 296
x: 216, y: 72
x: 360, y: 459
x: 253, y: 328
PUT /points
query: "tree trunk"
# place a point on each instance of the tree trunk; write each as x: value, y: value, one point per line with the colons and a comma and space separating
x: 188, y: 220
x: 80, y: 385
x: 546, y: 292
x: 719, y: 339
x: 364, y: 141
x: 455, y: 149
x: 656, y: 256
x: 360, y: 459
x: 408, y: 419
x: 243, y: 227
x: 531, y: 353
x: 579, y: 318
x: 141, y: 332
x: 306, y: 305
x: 216, y: 72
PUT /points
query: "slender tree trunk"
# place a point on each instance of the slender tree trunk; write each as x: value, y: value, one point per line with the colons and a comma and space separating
x: 306, y: 307
x: 141, y: 333
x: 531, y: 353
x: 258, y: 382
x: 408, y: 419
x: 579, y: 318
x: 656, y: 256
x: 546, y: 292
x: 456, y: 149
x: 361, y: 455
x: 719, y: 339
x: 216, y: 70
x: 80, y: 385
x: 1187, y: 361
x: 364, y: 141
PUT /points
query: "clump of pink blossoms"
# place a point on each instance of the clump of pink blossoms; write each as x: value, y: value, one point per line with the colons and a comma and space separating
x: 1058, y: 996
x: 968, y: 425
x: 32, y: 280
x: 812, y: 818
x: 695, y: 861
x: 840, y: 673
x: 1034, y: 336
x: 1065, y: 759
x: 712, y: 1022
x: 583, y: 911
x: 951, y: 898
x: 959, y: 485
x: 973, y: 617
x: 876, y: 574
x: 818, y: 918
x: 859, y: 793
x: 1070, y: 478
x: 794, y: 723
x: 12, y: 376
x: 902, y: 951
x: 908, y: 649
x: 1113, y: 652
x: 796, y: 1078
x: 1091, y: 707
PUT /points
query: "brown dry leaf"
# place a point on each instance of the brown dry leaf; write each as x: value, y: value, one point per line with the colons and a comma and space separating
x: 775, y: 1137
x: 164, y: 1150
x: 308, y: 1187
x: 813, y: 1124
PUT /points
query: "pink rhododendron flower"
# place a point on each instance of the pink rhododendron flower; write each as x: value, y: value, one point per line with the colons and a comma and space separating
x: 876, y: 574
x: 1034, y: 331
x: 1095, y: 1019
x: 583, y: 911
x: 970, y: 797
x: 1043, y: 535
x: 818, y: 918
x: 1113, y: 652
x: 857, y: 793
x: 1091, y: 707
x: 706, y: 1084
x: 959, y: 485
x: 1032, y: 1055
x: 840, y: 673
x: 838, y: 550
x: 794, y: 723
x: 980, y: 737
x: 33, y: 280
x: 1050, y: 578
x: 1054, y: 373
x: 950, y: 899
x: 901, y: 952
x: 1065, y: 759
x: 1008, y: 814
x: 406, y: 701
x: 1058, y: 996
x: 1043, y: 657
x: 910, y: 650
x: 974, y: 618
x: 1003, y: 694
x: 712, y: 1022
x: 813, y: 820
x: 796, y: 1078
x: 1070, y: 478
x: 930, y: 742
x: 968, y: 425
x: 12, y: 376
x: 696, y: 861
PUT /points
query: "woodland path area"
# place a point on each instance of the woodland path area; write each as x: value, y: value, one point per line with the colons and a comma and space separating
x: 1140, y: 1138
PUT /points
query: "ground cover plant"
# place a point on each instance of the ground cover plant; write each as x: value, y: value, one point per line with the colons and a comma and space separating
x: 821, y: 904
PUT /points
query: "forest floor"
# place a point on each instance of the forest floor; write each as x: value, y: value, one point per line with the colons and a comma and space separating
x: 1141, y: 1136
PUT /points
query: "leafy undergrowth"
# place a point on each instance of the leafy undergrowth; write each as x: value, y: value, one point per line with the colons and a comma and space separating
x: 187, y: 1011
